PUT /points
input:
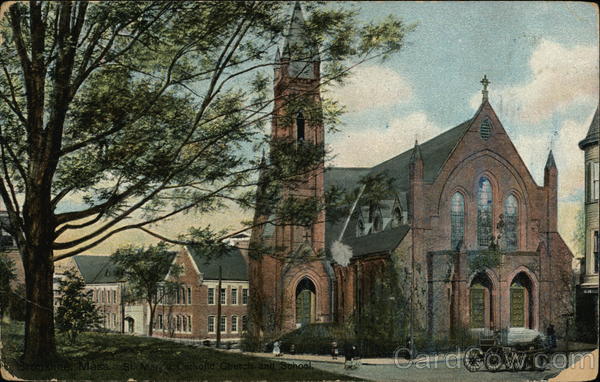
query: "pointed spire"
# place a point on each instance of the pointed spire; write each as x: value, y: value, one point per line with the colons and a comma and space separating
x: 485, y: 82
x: 297, y: 47
x: 416, y: 153
x: 550, y: 163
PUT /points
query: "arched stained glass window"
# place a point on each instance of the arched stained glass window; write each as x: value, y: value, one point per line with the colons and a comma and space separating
x: 300, y: 126
x: 511, y: 220
x: 484, y: 212
x: 457, y: 220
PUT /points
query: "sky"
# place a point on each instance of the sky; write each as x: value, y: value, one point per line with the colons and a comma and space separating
x: 541, y: 59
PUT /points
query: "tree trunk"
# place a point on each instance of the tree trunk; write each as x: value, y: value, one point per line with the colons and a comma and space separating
x: 151, y: 320
x: 40, y: 343
x: 39, y: 224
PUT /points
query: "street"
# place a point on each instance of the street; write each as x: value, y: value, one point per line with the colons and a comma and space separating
x: 434, y: 371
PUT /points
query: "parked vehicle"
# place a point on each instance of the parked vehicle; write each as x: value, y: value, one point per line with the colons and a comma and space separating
x: 514, y: 348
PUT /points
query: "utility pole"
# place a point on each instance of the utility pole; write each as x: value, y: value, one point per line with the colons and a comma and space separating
x: 122, y: 308
x: 219, y: 309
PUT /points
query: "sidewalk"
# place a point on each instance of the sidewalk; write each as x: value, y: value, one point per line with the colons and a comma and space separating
x: 364, y: 361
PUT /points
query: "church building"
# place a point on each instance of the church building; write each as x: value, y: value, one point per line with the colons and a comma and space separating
x: 462, y: 237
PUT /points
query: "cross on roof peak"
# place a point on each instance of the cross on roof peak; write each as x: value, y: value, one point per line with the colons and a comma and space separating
x: 485, y: 82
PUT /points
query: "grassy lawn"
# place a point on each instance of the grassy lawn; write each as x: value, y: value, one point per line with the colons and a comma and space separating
x: 99, y: 356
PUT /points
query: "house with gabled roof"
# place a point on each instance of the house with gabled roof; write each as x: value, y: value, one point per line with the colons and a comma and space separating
x: 193, y: 311
x: 105, y: 288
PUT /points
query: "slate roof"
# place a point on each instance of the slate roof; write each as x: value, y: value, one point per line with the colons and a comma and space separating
x: 233, y: 265
x: 298, y: 48
x: 96, y: 269
x: 346, y: 179
x: 593, y: 132
x: 379, y: 242
x: 434, y: 153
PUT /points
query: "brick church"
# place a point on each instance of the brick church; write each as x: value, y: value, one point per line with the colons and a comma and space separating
x: 463, y: 236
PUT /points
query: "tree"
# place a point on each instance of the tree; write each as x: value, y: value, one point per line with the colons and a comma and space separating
x: 76, y: 312
x: 137, y: 111
x: 7, y: 275
x: 146, y: 269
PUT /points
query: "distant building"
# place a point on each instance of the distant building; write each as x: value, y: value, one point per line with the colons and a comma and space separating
x: 192, y: 311
x: 189, y: 313
x: 99, y: 275
x: 587, y: 292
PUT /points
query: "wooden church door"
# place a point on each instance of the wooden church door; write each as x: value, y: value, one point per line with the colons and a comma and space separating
x: 305, y: 302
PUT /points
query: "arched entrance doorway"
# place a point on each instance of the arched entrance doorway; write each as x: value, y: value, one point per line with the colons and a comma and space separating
x: 130, y: 327
x: 481, y: 309
x: 306, y: 302
x: 521, y: 306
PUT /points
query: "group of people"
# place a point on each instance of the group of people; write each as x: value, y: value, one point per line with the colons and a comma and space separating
x: 352, y: 359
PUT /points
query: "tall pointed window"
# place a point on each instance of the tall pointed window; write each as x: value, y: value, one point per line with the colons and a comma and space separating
x: 511, y: 220
x: 484, y: 213
x: 457, y: 220
x: 300, y: 126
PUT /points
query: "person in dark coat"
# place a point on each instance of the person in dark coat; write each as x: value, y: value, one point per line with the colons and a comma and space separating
x: 551, y: 333
x: 348, y: 355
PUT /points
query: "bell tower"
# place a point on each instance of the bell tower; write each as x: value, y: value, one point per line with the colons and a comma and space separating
x: 297, y: 117
x: 293, y: 283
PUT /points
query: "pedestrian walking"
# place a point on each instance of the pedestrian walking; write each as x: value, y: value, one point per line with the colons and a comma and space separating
x: 277, y: 349
x: 334, y: 350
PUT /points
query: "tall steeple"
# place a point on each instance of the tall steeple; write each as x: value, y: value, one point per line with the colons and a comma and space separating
x: 298, y: 49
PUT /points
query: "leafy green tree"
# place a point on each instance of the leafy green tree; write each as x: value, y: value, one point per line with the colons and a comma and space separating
x: 7, y: 275
x: 117, y: 115
x: 76, y: 312
x: 145, y: 270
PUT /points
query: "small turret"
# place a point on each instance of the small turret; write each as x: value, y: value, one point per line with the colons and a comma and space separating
x: 416, y: 162
x: 550, y: 163
x: 551, y: 186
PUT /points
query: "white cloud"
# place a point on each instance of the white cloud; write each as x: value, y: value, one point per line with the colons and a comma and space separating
x: 561, y: 76
x: 371, y: 87
x: 370, y: 146
x: 569, y: 158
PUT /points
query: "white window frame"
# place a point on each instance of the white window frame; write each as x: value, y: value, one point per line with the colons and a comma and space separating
x: 594, y: 182
x: 246, y: 297
x: 223, y: 296
x: 224, y: 326
x: 234, y: 296
x: 209, y: 295
x: 234, y: 319
x: 211, y: 322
